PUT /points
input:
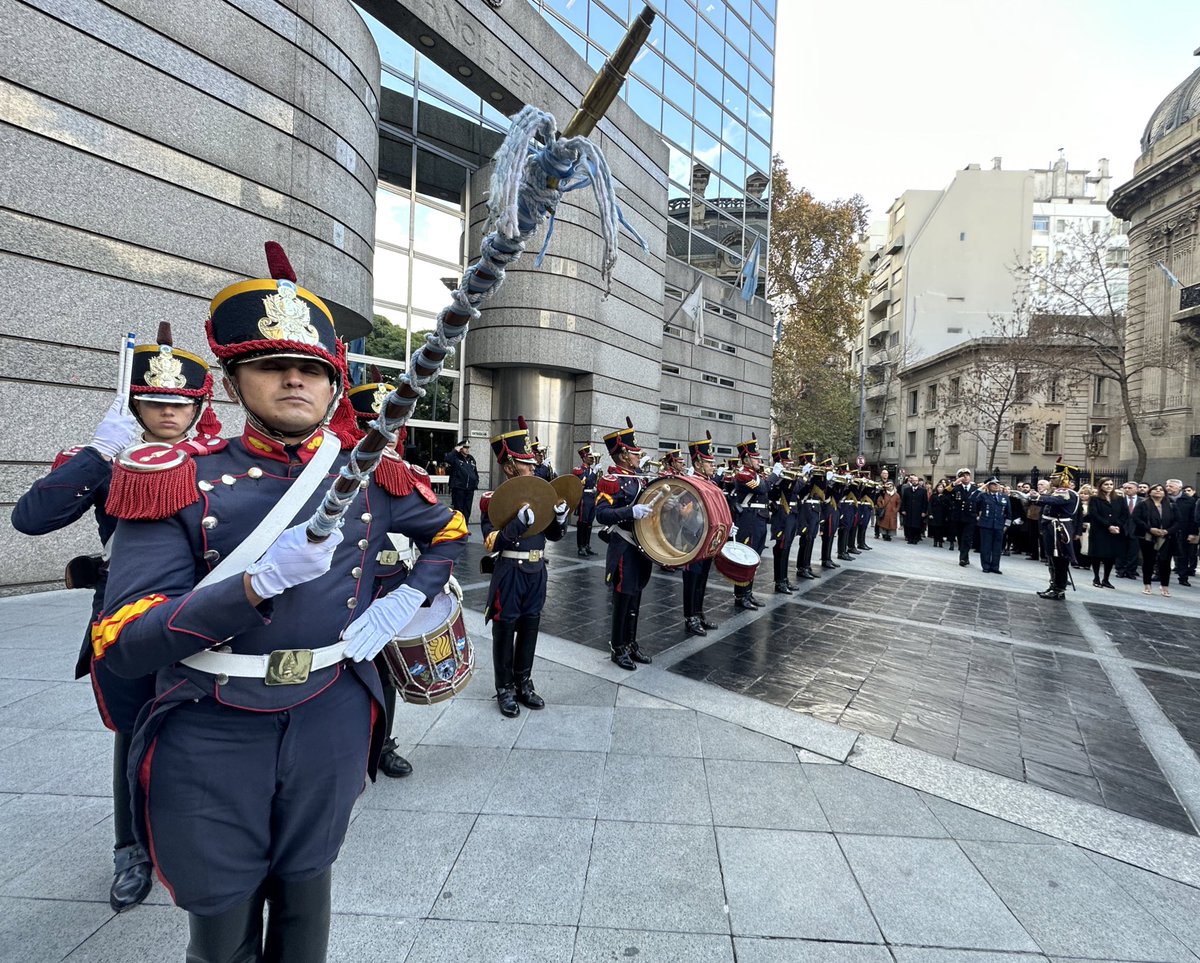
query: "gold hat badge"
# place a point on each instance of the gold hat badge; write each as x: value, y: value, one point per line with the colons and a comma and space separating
x: 165, y: 371
x: 287, y: 316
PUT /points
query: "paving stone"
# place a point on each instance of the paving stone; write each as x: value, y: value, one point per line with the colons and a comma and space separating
x: 792, y: 884
x: 807, y: 951
x: 537, y: 782
x: 471, y: 723
x: 963, y: 823
x: 657, y: 789
x: 857, y: 802
x: 925, y: 954
x: 1069, y: 905
x: 763, y: 795
x: 504, y: 874
x: 151, y: 933
x: 655, y: 732
x: 447, y: 779
x: 14, y: 690
x: 632, y: 697
x: 34, y: 827
x: 581, y: 728
x: 370, y: 939
x: 409, y: 854
x: 1173, y: 904
x: 456, y: 941
x: 925, y: 891
x: 654, y: 876
x: 76, y: 763
x: 50, y: 708
x: 560, y: 685
x: 45, y: 930
x: 604, y: 946
x: 724, y: 740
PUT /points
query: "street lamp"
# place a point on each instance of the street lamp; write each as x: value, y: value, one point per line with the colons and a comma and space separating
x: 934, y: 454
x: 1093, y: 446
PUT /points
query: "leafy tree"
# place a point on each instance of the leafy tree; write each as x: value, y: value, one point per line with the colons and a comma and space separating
x: 388, y: 340
x: 816, y: 291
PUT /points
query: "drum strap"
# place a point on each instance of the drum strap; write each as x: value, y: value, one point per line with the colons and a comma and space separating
x: 628, y: 536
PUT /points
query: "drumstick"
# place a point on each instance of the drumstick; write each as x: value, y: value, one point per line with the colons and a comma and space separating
x: 125, y: 369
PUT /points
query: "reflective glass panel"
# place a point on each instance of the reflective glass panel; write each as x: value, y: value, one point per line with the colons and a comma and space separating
x: 391, y: 276
x: 763, y: 25
x: 714, y: 10
x: 649, y: 68
x: 391, y: 217
x: 762, y: 57
x: 679, y: 168
x: 644, y: 101
x: 733, y: 132
x: 604, y: 30
x: 760, y: 122
x: 709, y: 40
x: 572, y: 11
x: 759, y: 155
x: 388, y: 339
x: 737, y: 33
x: 735, y: 100
x: 440, y: 178
x: 392, y: 50
x: 676, y: 127
x: 429, y: 293
x: 678, y: 88
x: 737, y: 66
x: 680, y: 51
x: 683, y: 16
x: 432, y: 76
x: 760, y: 89
x: 708, y: 76
x: 707, y: 112
x: 742, y: 7
x: 677, y: 238
x: 438, y: 233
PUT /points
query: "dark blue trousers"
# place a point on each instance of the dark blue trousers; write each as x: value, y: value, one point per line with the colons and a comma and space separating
x: 991, y: 544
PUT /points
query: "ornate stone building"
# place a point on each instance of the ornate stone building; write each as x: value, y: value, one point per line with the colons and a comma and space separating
x: 1162, y: 203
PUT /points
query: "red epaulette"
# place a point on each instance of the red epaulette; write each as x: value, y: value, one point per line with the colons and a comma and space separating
x: 397, y: 477
x: 155, y: 480
x: 65, y: 456
x: 578, y: 471
x: 744, y: 476
x: 484, y: 501
x: 608, y: 484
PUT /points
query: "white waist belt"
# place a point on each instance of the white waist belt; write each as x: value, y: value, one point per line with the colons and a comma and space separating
x: 255, y: 666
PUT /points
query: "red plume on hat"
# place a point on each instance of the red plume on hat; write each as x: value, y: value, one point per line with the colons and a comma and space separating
x: 521, y: 423
x: 278, y: 265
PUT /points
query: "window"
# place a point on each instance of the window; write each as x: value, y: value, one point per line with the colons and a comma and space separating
x: 893, y: 339
x: 1060, y: 225
x: 713, y: 379
x: 724, y: 450
x: 911, y: 445
x: 1041, y: 223
x: 1053, y: 393
x: 720, y: 345
x: 912, y: 402
x: 673, y: 330
x: 930, y: 438
x: 1018, y: 438
x: 1021, y: 386
x: 952, y: 438
x: 724, y: 416
x: 1051, y: 445
x: 954, y: 330
x: 1098, y: 390
x: 707, y: 413
x: 955, y: 390
x: 891, y: 439
x: 898, y: 214
x: 670, y: 368
x: 673, y: 292
x: 931, y: 397
x: 668, y: 406
x: 898, y: 275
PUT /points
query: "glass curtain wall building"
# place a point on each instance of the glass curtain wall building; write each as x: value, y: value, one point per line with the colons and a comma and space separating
x: 705, y: 79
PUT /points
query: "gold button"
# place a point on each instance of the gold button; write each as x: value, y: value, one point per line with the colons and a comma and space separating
x: 209, y: 521
x: 254, y: 472
x: 356, y: 572
x: 227, y: 479
x: 366, y: 517
x: 351, y: 602
x: 204, y: 486
x: 363, y: 543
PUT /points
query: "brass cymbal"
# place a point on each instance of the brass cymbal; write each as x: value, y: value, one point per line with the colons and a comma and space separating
x: 570, y: 490
x: 529, y: 490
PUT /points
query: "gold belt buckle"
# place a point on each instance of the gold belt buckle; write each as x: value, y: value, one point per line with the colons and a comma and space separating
x: 535, y: 555
x: 288, y: 666
x: 388, y: 558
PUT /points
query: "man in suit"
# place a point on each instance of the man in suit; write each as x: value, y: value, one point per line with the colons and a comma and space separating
x: 1127, y: 561
x: 1185, y: 505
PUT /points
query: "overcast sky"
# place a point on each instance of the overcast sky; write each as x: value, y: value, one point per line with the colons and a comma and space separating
x: 876, y: 98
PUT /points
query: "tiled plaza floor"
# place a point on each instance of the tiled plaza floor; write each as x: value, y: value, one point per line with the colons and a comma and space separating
x: 648, y: 816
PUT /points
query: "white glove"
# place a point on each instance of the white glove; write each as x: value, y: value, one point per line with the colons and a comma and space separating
x: 777, y: 469
x: 383, y: 620
x: 291, y: 560
x: 807, y: 470
x: 116, y: 430
x: 560, y: 511
x: 641, y: 511
x: 733, y: 533
x: 525, y: 516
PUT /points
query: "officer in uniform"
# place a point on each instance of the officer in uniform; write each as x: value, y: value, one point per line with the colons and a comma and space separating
x: 829, y: 513
x: 783, y: 520
x: 695, y: 574
x: 464, y: 477
x: 992, y: 518
x: 366, y: 400
x: 847, y: 503
x: 962, y: 514
x: 807, y: 496
x: 627, y: 569
x: 166, y: 391
x: 585, y: 514
x: 866, y: 509
x: 1060, y: 507
x: 751, y: 491
x: 672, y: 463
x: 517, y: 593
x: 542, y: 468
x: 268, y: 712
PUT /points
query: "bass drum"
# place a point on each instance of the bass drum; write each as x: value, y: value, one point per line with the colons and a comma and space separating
x: 737, y: 562
x: 690, y: 521
x: 432, y: 658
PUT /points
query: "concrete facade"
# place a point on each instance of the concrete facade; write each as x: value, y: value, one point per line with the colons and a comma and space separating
x: 1162, y: 204
x: 150, y: 150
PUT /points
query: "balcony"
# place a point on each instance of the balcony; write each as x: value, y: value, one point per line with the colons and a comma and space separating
x: 876, y: 391
x: 878, y: 330
x: 896, y: 244
x: 880, y: 300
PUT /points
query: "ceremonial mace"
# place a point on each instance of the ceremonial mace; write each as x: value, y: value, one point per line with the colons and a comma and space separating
x: 527, y: 184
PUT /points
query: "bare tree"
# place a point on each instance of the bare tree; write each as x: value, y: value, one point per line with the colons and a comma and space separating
x: 1079, y: 300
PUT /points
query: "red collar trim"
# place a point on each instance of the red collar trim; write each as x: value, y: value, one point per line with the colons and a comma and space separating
x: 255, y: 442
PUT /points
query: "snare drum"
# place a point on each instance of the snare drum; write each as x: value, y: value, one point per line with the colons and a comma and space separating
x: 690, y: 521
x: 432, y: 659
x: 737, y: 562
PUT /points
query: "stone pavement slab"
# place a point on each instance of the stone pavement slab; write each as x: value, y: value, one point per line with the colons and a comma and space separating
x: 447, y: 779
x: 32, y: 929
x: 548, y: 783
x: 724, y: 740
x: 455, y: 941
x: 792, y: 884
x: 925, y: 891
x: 763, y: 795
x: 594, y: 945
x: 656, y: 789
x: 1069, y: 906
x: 1173, y: 904
x: 653, y: 732
x: 583, y: 728
x: 856, y: 802
x: 807, y: 951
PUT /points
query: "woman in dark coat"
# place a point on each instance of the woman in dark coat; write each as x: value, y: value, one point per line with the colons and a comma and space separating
x: 939, y: 507
x: 1155, y: 522
x: 1107, y: 516
x: 914, y: 506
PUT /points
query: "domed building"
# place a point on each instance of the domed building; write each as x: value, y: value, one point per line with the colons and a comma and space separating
x: 1162, y: 337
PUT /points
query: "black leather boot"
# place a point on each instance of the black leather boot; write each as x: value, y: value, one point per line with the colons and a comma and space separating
x: 392, y: 764
x: 527, y: 634
x: 782, y: 588
x: 503, y: 636
x: 631, y: 633
x: 620, y: 626
x: 506, y: 699
x: 704, y: 622
x: 234, y: 936
x: 298, y: 920
x: 132, y: 877
x: 693, y: 627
